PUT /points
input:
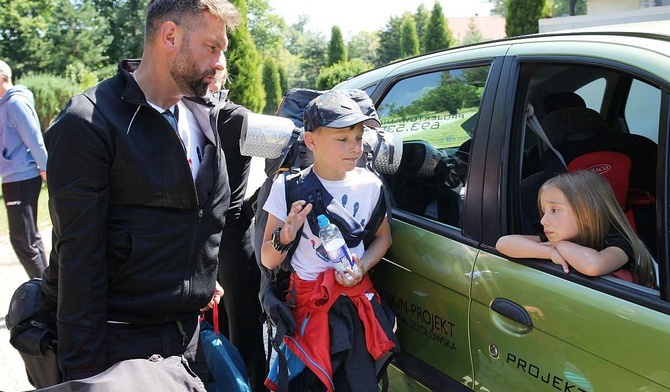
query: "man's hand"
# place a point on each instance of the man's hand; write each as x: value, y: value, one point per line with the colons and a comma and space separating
x: 216, y: 298
x: 43, y: 174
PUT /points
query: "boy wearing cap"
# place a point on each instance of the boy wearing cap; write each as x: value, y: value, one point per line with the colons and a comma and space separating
x: 333, y: 125
x: 23, y: 167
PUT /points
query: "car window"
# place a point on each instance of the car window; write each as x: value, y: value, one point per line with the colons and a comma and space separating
x: 588, y: 110
x: 593, y: 93
x: 436, y: 114
x: 643, y: 109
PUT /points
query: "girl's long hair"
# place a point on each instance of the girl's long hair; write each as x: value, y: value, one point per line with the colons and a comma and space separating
x: 598, y: 214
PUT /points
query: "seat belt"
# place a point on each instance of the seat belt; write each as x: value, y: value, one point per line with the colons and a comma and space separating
x: 535, y: 126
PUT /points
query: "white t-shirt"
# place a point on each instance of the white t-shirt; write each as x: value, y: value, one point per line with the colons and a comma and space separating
x: 359, y: 193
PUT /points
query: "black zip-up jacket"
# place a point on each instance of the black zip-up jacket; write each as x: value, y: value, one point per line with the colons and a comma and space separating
x: 134, y: 239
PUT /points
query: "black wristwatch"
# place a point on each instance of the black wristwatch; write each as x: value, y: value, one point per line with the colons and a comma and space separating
x: 276, y: 244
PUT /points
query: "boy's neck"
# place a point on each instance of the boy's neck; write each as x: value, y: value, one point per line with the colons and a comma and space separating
x: 328, y: 173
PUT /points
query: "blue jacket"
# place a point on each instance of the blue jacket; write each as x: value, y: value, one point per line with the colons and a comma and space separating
x: 23, y: 151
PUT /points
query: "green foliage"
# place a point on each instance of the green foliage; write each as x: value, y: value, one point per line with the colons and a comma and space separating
x: 330, y: 76
x: 473, y: 35
x: 81, y: 34
x: 273, y: 91
x: 437, y: 36
x: 389, y: 41
x: 522, y: 16
x: 363, y: 46
x: 126, y: 26
x: 312, y: 58
x: 421, y: 20
x: 23, y: 24
x: 266, y: 27
x: 245, y: 65
x: 283, y: 79
x: 409, y: 39
x: 51, y: 94
x: 337, y: 52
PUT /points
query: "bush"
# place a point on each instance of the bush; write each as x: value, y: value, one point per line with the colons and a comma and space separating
x: 51, y: 94
x: 330, y: 76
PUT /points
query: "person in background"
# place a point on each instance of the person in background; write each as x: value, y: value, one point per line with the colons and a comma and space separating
x: 23, y: 167
x: 584, y: 228
x: 240, y: 310
x: 138, y: 195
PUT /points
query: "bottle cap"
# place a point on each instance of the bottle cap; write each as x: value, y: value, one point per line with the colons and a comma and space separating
x: 322, y: 220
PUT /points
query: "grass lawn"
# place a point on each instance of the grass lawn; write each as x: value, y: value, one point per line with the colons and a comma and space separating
x: 43, y: 219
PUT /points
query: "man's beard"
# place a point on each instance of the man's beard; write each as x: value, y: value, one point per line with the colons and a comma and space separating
x: 184, y: 71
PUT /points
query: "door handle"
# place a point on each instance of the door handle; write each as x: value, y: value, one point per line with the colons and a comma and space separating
x: 512, y: 311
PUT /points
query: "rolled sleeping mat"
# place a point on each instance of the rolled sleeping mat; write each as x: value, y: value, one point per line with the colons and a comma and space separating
x: 265, y: 136
x: 390, y: 152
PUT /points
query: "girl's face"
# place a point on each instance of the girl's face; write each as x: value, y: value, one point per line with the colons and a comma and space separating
x: 336, y: 151
x: 558, y: 218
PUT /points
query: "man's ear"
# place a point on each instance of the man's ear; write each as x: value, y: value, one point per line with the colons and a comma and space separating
x: 170, y: 35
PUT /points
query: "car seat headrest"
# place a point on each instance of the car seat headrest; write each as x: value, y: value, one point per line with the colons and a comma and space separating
x: 562, y: 100
x: 614, y: 166
x: 573, y: 124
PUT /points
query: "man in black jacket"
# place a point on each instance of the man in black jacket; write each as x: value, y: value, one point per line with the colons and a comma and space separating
x: 138, y: 194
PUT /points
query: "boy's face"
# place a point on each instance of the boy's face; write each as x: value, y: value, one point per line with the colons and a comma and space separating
x: 336, y: 150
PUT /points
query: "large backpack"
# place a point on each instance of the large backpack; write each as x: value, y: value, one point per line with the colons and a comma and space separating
x: 280, y: 142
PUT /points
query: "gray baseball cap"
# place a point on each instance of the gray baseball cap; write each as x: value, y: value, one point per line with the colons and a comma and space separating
x: 335, y: 109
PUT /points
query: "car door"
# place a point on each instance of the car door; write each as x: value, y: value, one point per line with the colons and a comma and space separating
x: 533, y: 327
x: 426, y: 275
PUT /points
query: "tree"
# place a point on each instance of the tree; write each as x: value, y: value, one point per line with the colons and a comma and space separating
x: 273, y: 91
x: 245, y: 65
x: 283, y: 79
x: 266, y: 27
x: 312, y: 58
x: 498, y: 7
x: 522, y: 16
x: 409, y: 40
x: 337, y: 52
x: 389, y: 41
x: 473, y: 35
x: 23, y: 24
x: 438, y: 35
x: 330, y: 76
x: 81, y: 35
x: 363, y: 46
x: 421, y: 20
x: 126, y: 26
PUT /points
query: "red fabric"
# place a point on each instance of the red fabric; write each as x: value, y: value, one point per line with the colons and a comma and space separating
x: 614, y: 166
x: 313, y: 300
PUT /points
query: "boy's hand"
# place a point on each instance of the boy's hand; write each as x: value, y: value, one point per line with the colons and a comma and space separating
x: 294, y: 221
x: 216, y: 298
x: 354, y: 275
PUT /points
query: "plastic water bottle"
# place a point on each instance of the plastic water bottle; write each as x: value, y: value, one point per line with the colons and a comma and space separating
x: 336, y: 247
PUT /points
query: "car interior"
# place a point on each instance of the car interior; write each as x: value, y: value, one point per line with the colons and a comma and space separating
x: 582, y: 111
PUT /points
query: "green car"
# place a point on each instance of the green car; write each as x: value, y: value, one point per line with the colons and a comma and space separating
x: 483, y: 127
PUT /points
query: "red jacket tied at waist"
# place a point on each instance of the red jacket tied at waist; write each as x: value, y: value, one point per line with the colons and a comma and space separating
x: 314, y: 298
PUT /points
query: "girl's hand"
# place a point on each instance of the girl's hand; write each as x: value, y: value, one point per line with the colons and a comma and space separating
x: 354, y: 275
x: 556, y: 258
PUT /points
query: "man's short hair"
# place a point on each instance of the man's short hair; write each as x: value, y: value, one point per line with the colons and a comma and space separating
x: 5, y: 70
x: 187, y: 12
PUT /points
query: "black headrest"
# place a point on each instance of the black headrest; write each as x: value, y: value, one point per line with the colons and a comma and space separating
x: 573, y: 124
x: 562, y: 100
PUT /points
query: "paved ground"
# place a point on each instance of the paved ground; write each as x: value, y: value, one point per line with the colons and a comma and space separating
x: 12, y: 372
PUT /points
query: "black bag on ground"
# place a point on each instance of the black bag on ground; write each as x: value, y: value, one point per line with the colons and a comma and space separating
x: 33, y: 333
